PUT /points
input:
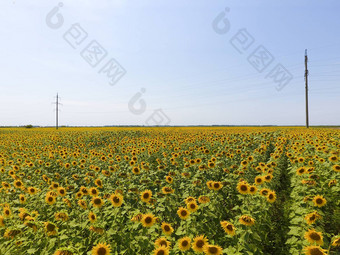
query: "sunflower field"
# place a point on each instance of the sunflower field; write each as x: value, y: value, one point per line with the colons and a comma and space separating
x: 160, y: 191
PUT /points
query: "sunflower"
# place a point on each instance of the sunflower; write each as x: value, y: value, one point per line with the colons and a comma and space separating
x: 210, y: 184
x: 167, y: 190
x: 319, y: 201
x: 50, y: 199
x: 228, y: 227
x: 116, y: 199
x: 301, y: 170
x: 211, y: 164
x: 312, y: 217
x: 61, y: 191
x: 18, y: 184
x: 6, y: 185
x: 183, y: 213
x: 82, y: 204
x: 146, y: 196
x: 212, y: 250
x: 167, y: 229
x: 246, y: 220
x: 264, y: 192
x: 99, y: 183
x: 54, y: 185
x: 203, y: 199
x: 50, y: 228
x: 97, y: 230
x: 52, y: 193
x: 83, y: 190
x: 192, y: 207
x: 189, y: 200
x: 314, y: 250
x: 136, y: 170
x: 22, y: 199
x: 336, y: 168
x: 271, y: 197
x: 259, y: 180
x: 162, y: 241
x: 243, y: 188
x: 101, y: 249
x: 161, y: 251
x: 32, y: 190
x: 137, y: 217
x: 332, y: 183
x: 11, y: 233
x: 148, y: 220
x: 314, y: 237
x: 268, y: 177
x: 301, y: 159
x: 336, y: 242
x: 2, y: 221
x: 169, y: 179
x: 93, y: 191
x: 92, y: 217
x: 217, y: 185
x: 252, y: 189
x: 61, y: 216
x: 97, y: 202
x: 199, y: 243
x: 333, y: 158
x: 184, y: 243
x: 186, y: 174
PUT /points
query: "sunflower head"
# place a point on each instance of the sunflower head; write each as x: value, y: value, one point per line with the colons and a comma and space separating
x: 92, y: 217
x: 184, y: 243
x: 148, y: 220
x: 264, y: 192
x: 259, y: 180
x: 199, y: 243
x: 93, y: 191
x: 252, y: 189
x: 243, y: 187
x: 50, y: 228
x: 162, y: 241
x: 319, y: 201
x: 97, y: 202
x: 336, y: 242
x: 101, y: 249
x: 212, y: 250
x: 203, y: 199
x: 183, y: 213
x: 314, y: 237
x: 246, y: 220
x: 50, y: 199
x: 312, y: 217
x: 228, y: 227
x: 336, y: 168
x: 217, y: 185
x: 167, y: 228
x: 146, y: 196
x: 314, y: 250
x: 116, y: 199
x: 161, y: 251
x: 192, y: 206
x: 271, y: 197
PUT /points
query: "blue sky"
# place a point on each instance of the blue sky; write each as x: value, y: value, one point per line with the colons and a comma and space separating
x: 172, y: 53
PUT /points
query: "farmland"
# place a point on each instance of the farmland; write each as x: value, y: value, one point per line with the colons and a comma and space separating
x: 190, y: 190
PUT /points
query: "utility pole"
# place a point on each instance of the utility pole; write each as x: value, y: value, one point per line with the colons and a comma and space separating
x: 57, y: 110
x: 306, y: 79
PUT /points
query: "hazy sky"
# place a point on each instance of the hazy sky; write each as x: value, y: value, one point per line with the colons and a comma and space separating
x: 175, y: 56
